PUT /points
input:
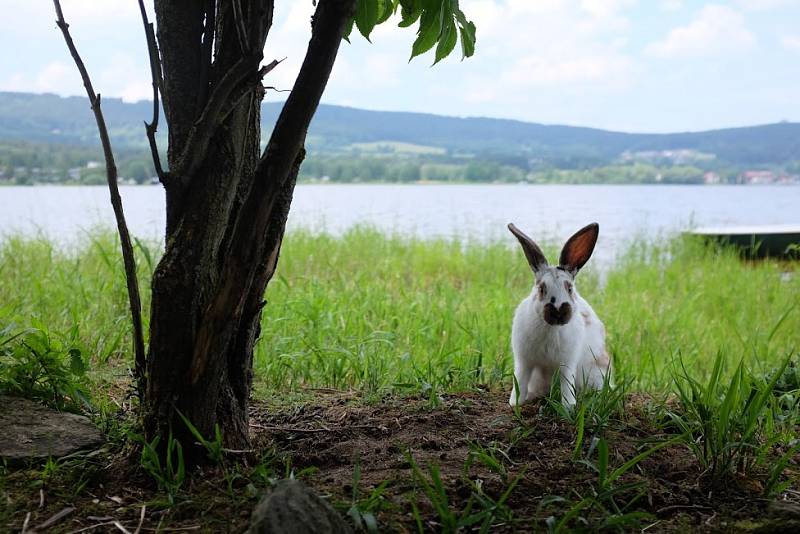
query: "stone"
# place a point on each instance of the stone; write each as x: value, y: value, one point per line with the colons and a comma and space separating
x: 30, y: 431
x: 291, y: 507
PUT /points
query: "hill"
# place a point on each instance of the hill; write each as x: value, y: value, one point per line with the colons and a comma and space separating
x: 47, y: 118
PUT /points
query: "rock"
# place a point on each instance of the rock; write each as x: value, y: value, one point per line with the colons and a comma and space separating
x: 30, y: 431
x: 293, y: 508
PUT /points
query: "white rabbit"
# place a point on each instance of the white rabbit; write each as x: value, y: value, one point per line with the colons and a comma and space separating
x: 555, y: 328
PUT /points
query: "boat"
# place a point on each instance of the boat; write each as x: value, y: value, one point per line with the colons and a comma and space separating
x: 757, y: 241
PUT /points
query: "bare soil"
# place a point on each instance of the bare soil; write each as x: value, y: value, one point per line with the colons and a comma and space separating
x: 322, y: 439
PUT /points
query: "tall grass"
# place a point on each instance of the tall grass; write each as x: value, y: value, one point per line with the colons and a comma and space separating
x: 373, y: 312
x: 685, y: 298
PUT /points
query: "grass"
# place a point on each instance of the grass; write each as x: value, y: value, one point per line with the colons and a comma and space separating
x: 712, y: 339
x: 374, y: 313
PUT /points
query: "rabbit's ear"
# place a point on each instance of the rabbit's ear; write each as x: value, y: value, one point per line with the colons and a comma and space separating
x: 532, y: 251
x: 578, y: 248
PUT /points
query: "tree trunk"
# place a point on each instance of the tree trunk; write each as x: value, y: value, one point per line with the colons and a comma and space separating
x: 226, y: 206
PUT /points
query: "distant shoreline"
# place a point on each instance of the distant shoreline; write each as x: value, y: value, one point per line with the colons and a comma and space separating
x: 426, y: 183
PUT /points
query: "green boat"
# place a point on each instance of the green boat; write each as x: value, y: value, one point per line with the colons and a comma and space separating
x: 757, y: 241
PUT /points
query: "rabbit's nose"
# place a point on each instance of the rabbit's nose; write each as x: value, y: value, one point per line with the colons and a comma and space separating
x: 557, y: 315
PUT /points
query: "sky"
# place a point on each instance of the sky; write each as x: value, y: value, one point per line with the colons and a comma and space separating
x: 628, y: 65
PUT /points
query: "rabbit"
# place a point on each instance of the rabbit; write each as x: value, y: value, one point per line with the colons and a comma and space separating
x: 554, y: 328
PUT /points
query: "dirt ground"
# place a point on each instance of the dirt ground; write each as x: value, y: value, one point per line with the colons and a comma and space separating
x: 329, y: 436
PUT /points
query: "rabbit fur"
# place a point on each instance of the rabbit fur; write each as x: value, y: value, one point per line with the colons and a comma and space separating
x: 554, y: 328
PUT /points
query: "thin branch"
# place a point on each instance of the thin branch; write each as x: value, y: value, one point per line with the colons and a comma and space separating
x: 246, y: 88
x: 241, y: 30
x: 155, y: 74
x: 290, y: 129
x: 116, y: 203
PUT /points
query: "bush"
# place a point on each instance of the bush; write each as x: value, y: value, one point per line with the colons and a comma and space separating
x: 37, y: 367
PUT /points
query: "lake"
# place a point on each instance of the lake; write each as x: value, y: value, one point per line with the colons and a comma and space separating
x: 478, y: 212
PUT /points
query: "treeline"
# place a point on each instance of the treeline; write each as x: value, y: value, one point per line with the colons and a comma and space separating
x: 405, y: 170
x: 346, y: 169
x: 24, y: 163
x: 632, y: 173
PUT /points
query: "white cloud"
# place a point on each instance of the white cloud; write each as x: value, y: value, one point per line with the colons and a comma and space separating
x: 765, y: 5
x: 791, y: 42
x: 715, y: 28
x: 608, y: 69
x: 52, y: 78
x: 671, y: 5
x: 100, y: 13
x: 524, y: 44
x: 606, y: 8
x: 124, y: 79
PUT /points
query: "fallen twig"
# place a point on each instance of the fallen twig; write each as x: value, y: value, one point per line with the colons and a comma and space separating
x: 289, y: 429
x: 141, y: 519
x: 91, y: 527
x: 682, y: 507
x: 173, y: 529
x: 311, y: 430
x: 55, y: 518
x: 710, y: 519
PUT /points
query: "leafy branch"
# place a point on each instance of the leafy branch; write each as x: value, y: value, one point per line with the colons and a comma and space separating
x: 441, y: 24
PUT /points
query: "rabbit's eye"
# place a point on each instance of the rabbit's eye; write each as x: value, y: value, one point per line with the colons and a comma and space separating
x: 568, y: 286
x: 542, y: 290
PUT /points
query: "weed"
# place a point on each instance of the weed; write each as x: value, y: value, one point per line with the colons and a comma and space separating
x: 450, y: 520
x: 593, y: 412
x: 214, y: 447
x: 36, y: 366
x: 723, y: 420
x: 171, y: 474
x: 481, y: 511
x: 363, y: 510
x: 608, y: 505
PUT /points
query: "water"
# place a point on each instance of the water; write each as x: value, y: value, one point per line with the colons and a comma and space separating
x: 453, y: 211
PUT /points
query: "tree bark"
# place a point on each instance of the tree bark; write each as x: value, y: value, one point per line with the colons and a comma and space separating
x: 226, y: 205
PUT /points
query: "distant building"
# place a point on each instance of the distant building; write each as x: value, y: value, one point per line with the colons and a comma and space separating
x: 680, y: 156
x: 711, y: 177
x: 757, y: 177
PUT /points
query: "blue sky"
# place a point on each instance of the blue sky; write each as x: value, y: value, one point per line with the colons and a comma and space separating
x: 634, y: 65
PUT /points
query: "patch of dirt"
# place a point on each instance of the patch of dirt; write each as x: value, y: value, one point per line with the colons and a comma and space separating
x: 329, y: 436
x: 332, y: 434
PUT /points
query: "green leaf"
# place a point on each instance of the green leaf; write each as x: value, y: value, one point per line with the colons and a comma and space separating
x: 366, y: 16
x: 348, y: 30
x: 76, y: 364
x: 447, y: 40
x: 428, y: 34
x: 467, y: 40
x: 467, y: 30
x: 410, y: 10
x: 602, y: 461
x: 445, y: 16
x: 386, y: 10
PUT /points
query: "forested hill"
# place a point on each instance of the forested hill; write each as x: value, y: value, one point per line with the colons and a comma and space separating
x: 53, y: 119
